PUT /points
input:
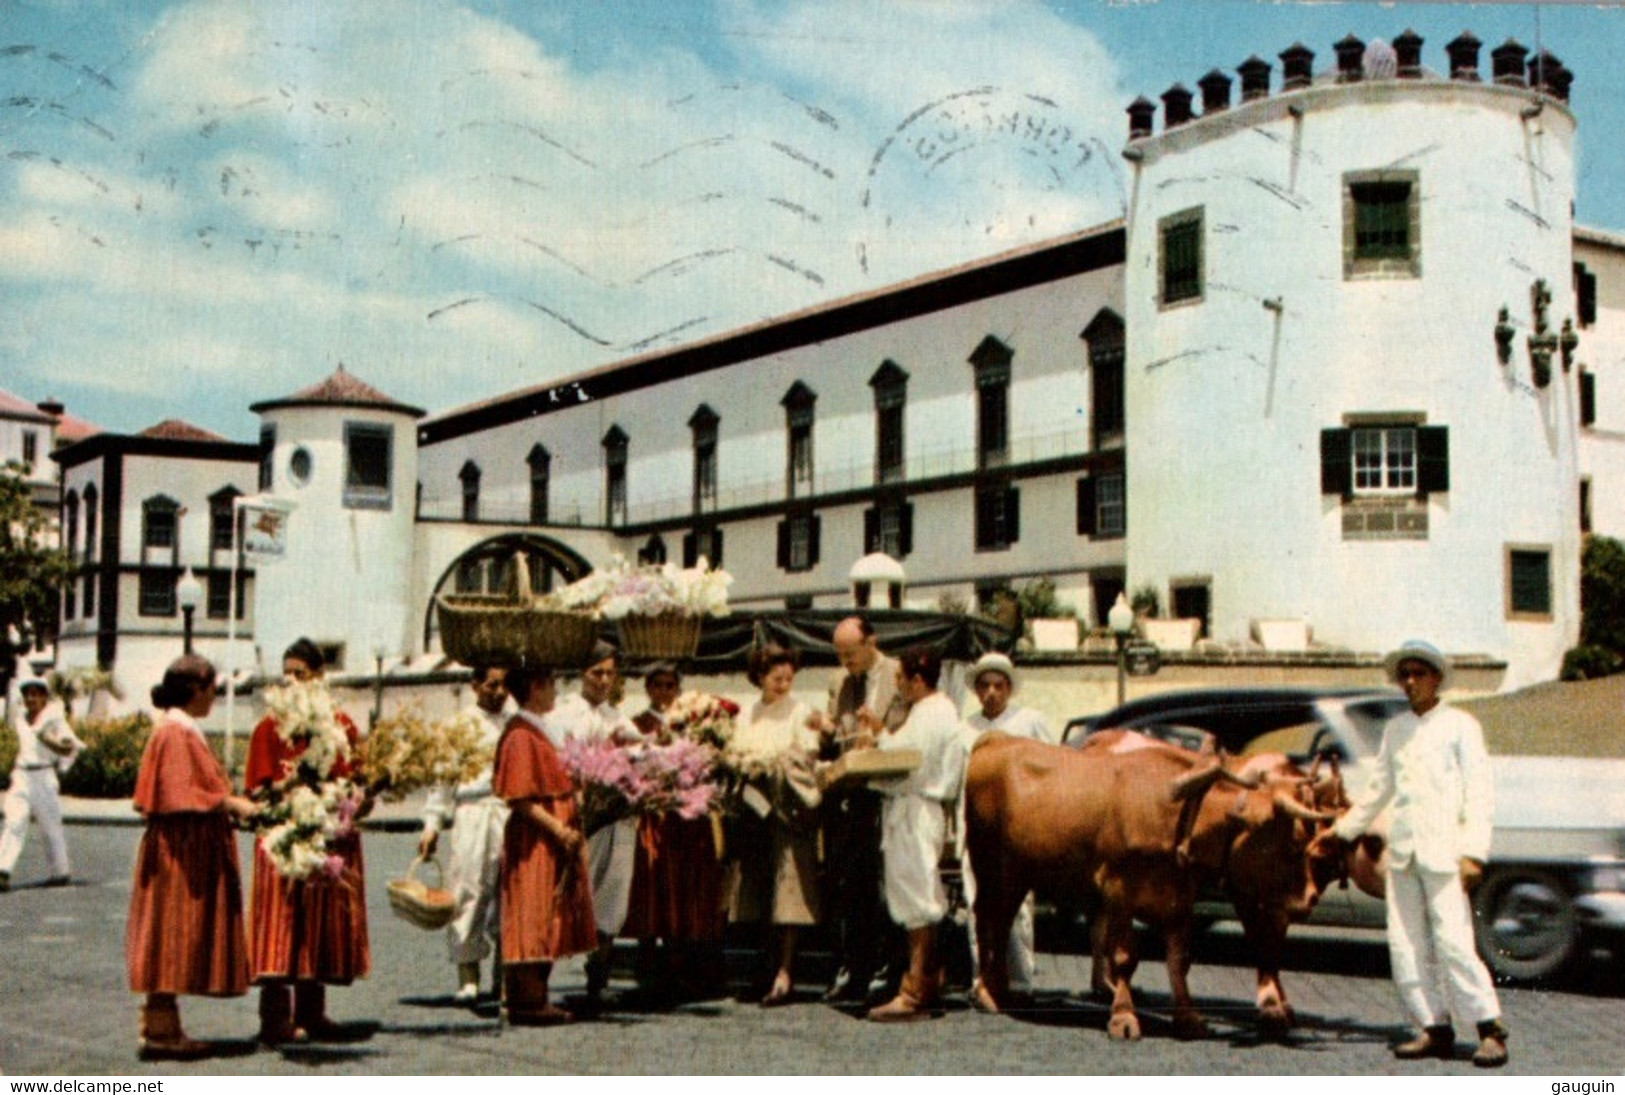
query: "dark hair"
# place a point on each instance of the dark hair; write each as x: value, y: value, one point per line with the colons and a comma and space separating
x: 763, y: 659
x: 521, y: 677
x: 480, y: 671
x: 865, y: 628
x: 302, y: 649
x: 601, y: 650
x: 922, y: 663
x: 185, y: 678
x: 668, y: 668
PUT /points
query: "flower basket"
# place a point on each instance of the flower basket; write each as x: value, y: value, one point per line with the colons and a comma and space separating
x: 480, y: 628
x: 668, y: 635
x: 428, y: 907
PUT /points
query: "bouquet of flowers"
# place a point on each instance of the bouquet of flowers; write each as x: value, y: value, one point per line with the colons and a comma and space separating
x: 621, y: 590
x: 703, y: 719
x: 299, y: 825
x: 616, y: 783
x: 309, y: 808
x: 406, y: 752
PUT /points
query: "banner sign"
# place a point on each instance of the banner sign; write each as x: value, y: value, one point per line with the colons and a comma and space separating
x: 265, y: 529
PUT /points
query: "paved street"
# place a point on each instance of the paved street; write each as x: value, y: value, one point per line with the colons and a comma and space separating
x: 67, y: 1010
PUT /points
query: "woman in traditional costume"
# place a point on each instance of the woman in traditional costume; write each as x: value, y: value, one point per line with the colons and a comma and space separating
x: 185, y: 931
x: 676, y: 877
x: 305, y: 934
x: 547, y: 909
x: 775, y: 866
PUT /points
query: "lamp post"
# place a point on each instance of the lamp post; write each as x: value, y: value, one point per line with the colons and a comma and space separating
x: 1121, y: 620
x: 378, y: 653
x: 188, y: 594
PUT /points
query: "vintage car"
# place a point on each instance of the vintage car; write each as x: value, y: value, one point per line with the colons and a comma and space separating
x: 1555, y: 884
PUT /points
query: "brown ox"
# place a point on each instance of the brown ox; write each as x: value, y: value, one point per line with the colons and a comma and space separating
x: 1139, y: 825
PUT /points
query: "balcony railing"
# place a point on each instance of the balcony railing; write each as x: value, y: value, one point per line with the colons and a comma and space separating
x: 935, y: 464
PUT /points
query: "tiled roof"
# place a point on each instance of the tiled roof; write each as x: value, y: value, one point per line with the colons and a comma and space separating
x: 12, y: 406
x: 70, y: 429
x: 173, y: 429
x: 342, y: 389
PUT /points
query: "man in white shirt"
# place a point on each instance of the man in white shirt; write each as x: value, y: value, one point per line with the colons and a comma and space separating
x: 42, y: 736
x: 476, y: 818
x: 611, y: 850
x: 1433, y: 768
x: 914, y: 830
x: 994, y: 678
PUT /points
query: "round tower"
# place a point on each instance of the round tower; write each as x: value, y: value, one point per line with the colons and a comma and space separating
x: 1328, y: 416
x: 345, y: 454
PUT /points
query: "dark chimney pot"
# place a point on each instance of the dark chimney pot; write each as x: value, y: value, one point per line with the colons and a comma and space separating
x: 1463, y: 51
x: 1141, y: 112
x: 1408, y: 47
x: 52, y: 407
x: 1297, y: 66
x: 1176, y: 106
x: 1215, y: 92
x: 1255, y: 79
x: 1350, y: 55
x: 1506, y: 63
x: 1560, y: 80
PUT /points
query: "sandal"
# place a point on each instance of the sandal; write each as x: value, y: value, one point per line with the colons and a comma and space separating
x: 780, y: 994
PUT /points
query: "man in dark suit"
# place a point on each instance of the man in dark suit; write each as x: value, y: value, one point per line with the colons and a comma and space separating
x: 863, y: 703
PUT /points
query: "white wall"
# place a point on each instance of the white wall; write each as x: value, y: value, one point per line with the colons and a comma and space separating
x: 1227, y: 398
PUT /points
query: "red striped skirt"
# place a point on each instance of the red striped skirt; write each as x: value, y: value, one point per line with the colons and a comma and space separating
x: 185, y: 932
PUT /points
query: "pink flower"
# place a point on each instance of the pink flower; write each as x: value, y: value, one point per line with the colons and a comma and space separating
x: 334, y: 867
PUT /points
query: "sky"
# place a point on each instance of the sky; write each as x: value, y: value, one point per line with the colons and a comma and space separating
x: 204, y: 204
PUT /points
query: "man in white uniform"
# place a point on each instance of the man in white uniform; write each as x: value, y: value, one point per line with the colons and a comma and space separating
x: 42, y: 736
x: 476, y: 818
x: 914, y: 830
x: 1433, y: 768
x: 611, y: 850
x: 994, y: 678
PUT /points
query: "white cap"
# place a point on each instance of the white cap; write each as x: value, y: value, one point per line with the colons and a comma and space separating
x: 994, y: 662
x: 1415, y: 650
x: 33, y: 682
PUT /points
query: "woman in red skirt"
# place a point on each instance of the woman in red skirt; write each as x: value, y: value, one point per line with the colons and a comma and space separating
x: 304, y: 934
x: 185, y: 932
x: 546, y: 897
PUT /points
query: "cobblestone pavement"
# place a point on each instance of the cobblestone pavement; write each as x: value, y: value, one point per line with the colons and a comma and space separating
x: 67, y: 1010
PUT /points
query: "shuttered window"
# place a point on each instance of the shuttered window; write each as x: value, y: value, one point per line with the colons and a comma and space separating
x: 1529, y: 582
x: 1180, y: 246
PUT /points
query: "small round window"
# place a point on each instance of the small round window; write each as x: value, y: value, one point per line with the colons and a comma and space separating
x: 299, y: 466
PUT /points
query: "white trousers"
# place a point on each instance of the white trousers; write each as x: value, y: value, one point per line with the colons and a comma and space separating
x: 912, y: 831
x: 475, y: 878
x: 611, y: 855
x: 1019, y: 955
x: 33, y: 794
x: 1430, y: 946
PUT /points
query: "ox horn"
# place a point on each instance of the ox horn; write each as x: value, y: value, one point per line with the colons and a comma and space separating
x: 1286, y: 804
x: 1195, y: 782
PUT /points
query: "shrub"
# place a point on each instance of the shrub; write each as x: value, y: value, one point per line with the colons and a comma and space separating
x: 1585, y: 663
x: 112, y: 756
x: 1038, y: 601
x: 8, y: 753
x: 1602, y: 594
x: 1146, y: 601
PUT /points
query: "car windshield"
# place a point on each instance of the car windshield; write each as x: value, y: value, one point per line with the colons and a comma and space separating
x: 1367, y: 718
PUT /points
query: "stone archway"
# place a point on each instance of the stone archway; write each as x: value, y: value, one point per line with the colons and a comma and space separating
x: 487, y: 567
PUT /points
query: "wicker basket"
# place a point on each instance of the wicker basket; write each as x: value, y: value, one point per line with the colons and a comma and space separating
x: 478, y: 628
x: 428, y: 907
x: 671, y: 635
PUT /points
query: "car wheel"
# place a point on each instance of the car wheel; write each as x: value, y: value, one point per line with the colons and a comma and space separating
x: 1526, y: 925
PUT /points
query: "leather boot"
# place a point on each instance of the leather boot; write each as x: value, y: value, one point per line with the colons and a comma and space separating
x: 911, y: 1002
x: 310, y: 1012
x: 528, y: 1005
x: 1492, y: 1044
x: 276, y: 1015
x: 1437, y: 1041
x: 161, y: 1036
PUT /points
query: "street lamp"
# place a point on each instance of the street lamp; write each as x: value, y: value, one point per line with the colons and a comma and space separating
x: 188, y: 594
x: 378, y: 654
x: 1121, y: 620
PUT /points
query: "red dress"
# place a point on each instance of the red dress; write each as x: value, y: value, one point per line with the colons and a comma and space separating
x: 306, y: 929
x: 185, y: 932
x: 546, y: 909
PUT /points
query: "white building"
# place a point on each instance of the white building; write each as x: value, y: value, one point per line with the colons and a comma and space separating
x: 1347, y: 363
